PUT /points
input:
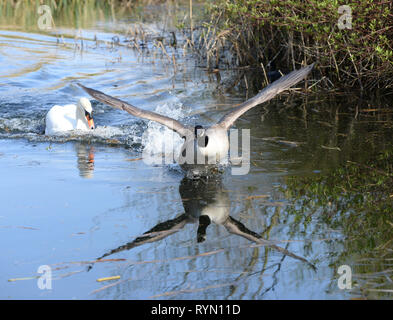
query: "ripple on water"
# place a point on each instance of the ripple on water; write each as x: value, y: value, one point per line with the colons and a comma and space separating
x: 41, y: 72
x: 136, y: 133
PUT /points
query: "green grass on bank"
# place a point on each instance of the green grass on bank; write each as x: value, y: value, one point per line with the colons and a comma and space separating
x: 284, y: 34
x: 263, y: 35
x: 24, y: 14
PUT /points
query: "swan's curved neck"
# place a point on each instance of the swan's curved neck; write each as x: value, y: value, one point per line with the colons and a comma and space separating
x: 80, y: 114
x: 80, y: 109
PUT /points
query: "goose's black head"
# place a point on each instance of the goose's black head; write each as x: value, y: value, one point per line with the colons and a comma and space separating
x: 200, y: 135
x: 198, y: 131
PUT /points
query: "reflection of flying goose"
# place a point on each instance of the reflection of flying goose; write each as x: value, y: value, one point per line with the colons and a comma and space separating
x: 211, y: 143
x: 204, y: 201
x: 70, y: 117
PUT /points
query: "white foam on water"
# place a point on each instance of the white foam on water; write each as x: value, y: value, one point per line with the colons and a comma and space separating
x: 106, y: 132
x: 33, y: 129
x: 21, y: 125
x: 161, y: 145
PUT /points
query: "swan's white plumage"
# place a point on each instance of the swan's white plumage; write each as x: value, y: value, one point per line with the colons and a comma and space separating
x: 69, y: 117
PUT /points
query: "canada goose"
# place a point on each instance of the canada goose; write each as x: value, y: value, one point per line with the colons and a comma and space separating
x: 70, y: 117
x: 201, y: 144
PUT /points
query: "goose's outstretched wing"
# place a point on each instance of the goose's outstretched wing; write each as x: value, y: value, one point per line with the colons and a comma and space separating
x: 236, y: 227
x: 119, y: 104
x: 159, y: 232
x: 266, y: 94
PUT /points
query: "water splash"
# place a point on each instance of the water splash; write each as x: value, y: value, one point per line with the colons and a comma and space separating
x: 33, y: 130
x: 153, y: 138
x: 161, y: 144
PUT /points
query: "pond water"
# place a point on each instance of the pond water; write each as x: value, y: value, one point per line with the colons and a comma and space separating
x: 80, y: 203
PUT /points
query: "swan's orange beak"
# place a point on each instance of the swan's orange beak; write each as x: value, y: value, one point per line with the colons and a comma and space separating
x: 90, y: 121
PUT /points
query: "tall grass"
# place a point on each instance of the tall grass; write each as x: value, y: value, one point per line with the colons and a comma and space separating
x: 77, y: 14
x: 283, y: 35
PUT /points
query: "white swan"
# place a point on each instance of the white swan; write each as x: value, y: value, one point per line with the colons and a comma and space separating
x: 70, y: 117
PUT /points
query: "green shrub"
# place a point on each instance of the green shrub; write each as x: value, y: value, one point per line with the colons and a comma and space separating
x: 286, y: 34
